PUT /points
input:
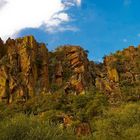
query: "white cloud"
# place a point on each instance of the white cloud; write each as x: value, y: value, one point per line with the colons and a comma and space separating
x: 57, y: 19
x: 62, y: 29
x: 78, y: 2
x: 2, y: 3
x: 19, y: 14
x: 125, y: 40
x: 72, y: 2
x: 127, y: 2
x: 138, y: 34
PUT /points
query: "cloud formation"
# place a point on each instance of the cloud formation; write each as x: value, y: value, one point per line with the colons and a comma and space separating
x: 125, y: 40
x: 16, y: 15
x: 72, y: 2
x: 62, y: 29
x: 138, y: 34
x: 127, y: 2
x: 78, y: 2
x: 2, y: 3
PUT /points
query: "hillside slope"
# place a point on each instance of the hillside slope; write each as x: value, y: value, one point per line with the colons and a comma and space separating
x: 63, y: 95
x: 28, y: 69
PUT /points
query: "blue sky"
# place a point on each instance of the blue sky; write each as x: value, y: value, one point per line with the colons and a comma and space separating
x: 100, y: 26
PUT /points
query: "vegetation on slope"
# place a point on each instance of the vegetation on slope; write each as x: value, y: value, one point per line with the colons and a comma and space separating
x: 61, y: 95
x: 44, y: 117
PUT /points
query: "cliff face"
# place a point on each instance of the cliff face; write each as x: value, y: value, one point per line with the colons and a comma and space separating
x: 28, y: 69
x: 122, y: 80
x: 23, y: 69
x: 71, y: 69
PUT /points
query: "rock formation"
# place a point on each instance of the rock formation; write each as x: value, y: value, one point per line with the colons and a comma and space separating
x: 23, y: 68
x: 28, y: 69
x: 72, y: 69
x: 122, y: 80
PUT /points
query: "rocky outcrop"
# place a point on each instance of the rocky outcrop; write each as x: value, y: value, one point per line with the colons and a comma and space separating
x: 122, y: 71
x: 23, y: 69
x: 72, y: 69
x: 2, y: 48
x: 27, y: 69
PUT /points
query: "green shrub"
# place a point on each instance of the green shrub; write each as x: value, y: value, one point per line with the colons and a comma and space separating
x: 14, y: 129
x: 22, y: 127
x: 118, y: 122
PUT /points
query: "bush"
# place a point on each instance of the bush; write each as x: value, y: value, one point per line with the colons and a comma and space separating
x: 14, y: 129
x: 118, y: 123
x: 22, y: 127
x: 42, y: 117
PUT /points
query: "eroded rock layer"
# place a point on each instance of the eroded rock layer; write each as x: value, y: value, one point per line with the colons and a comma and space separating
x: 28, y: 69
x: 71, y: 69
x: 121, y: 79
x: 23, y: 68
